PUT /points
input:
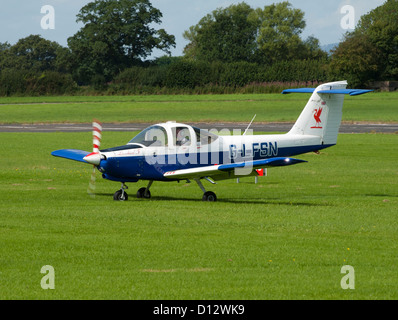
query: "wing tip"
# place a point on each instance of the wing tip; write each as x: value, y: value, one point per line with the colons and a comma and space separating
x: 71, y: 154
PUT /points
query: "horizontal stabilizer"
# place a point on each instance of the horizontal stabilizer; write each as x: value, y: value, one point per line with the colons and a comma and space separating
x: 300, y: 90
x: 71, y: 154
x: 351, y: 92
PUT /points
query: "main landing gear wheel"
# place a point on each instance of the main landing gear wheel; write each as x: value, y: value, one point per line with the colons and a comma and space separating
x: 143, y: 193
x: 120, y: 195
x: 209, y: 196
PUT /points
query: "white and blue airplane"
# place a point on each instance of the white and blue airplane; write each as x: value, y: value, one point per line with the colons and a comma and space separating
x: 178, y: 152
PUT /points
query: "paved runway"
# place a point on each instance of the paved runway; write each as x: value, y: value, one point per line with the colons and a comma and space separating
x: 268, y: 127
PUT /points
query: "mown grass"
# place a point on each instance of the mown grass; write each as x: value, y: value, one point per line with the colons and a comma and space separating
x: 284, y: 238
x: 373, y: 107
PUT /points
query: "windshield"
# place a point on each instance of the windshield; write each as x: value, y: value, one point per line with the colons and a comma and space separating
x: 154, y: 136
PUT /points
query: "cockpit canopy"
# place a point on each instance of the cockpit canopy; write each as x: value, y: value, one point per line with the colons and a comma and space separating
x: 173, y: 134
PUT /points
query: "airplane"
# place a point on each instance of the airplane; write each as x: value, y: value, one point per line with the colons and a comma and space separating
x: 174, y: 151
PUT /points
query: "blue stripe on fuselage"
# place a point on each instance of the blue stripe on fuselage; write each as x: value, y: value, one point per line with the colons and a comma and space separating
x: 137, y: 167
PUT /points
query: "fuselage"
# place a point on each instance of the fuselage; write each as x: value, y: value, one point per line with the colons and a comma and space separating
x: 138, y: 161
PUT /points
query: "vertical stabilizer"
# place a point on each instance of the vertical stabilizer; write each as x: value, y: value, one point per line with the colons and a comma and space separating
x: 323, y: 113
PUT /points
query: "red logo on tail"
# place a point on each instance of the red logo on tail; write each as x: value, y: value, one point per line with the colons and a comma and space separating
x: 317, y: 117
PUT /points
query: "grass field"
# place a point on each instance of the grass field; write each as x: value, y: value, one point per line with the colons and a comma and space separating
x: 373, y: 107
x: 285, y: 238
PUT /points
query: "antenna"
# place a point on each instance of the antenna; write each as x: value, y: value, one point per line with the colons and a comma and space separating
x: 247, y: 129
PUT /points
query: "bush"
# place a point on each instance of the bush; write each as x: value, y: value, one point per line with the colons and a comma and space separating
x: 22, y: 82
x: 239, y: 74
x: 24, y: 70
x: 12, y: 82
x: 188, y: 74
x: 184, y: 76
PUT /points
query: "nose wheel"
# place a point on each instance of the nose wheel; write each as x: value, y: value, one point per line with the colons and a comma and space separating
x: 121, y: 195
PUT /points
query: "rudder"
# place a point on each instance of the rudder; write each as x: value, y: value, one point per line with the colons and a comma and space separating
x: 323, y: 113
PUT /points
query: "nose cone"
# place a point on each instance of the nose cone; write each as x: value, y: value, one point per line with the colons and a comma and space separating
x: 93, y: 158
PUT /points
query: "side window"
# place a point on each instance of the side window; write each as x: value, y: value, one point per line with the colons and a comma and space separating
x: 204, y: 137
x: 182, y: 137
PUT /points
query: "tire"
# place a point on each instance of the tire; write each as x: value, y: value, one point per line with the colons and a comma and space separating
x: 209, y: 197
x: 120, y: 196
x: 141, y: 194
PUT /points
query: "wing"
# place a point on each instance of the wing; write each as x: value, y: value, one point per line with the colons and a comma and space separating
x: 227, y: 171
x: 71, y: 154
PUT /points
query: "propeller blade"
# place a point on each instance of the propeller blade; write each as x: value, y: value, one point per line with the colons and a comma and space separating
x: 91, y: 184
x: 94, y: 157
x: 97, y: 135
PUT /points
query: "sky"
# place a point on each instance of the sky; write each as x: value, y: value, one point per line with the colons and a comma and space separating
x: 21, y: 18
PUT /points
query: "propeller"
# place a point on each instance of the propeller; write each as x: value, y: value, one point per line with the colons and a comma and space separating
x: 95, y: 157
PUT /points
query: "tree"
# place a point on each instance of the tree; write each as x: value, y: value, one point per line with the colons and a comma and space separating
x: 225, y: 35
x: 356, y: 59
x: 116, y: 35
x: 31, y: 53
x: 311, y: 49
x: 4, y: 46
x: 279, y: 32
x: 381, y: 27
x: 34, y: 66
x: 370, y: 52
x: 240, y: 33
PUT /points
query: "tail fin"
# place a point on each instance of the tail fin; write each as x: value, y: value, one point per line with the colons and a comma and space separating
x: 323, y: 113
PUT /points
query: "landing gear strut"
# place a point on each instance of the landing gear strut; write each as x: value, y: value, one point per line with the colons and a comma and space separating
x: 144, y: 193
x: 208, y: 196
x: 121, y: 195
